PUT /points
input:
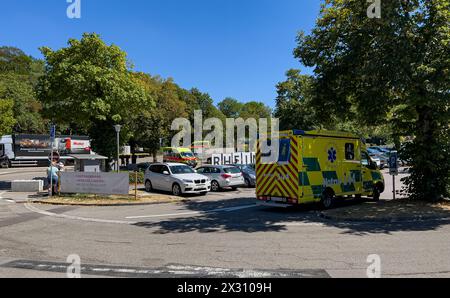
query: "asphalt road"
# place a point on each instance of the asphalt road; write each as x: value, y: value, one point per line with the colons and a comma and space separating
x: 222, y: 234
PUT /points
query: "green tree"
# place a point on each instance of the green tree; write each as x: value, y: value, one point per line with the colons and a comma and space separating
x: 151, y: 125
x: 27, y: 109
x: 293, y: 104
x: 14, y: 60
x: 395, y: 69
x: 256, y: 110
x: 18, y: 77
x: 89, y: 83
x: 7, y: 120
x: 230, y: 107
x: 205, y: 103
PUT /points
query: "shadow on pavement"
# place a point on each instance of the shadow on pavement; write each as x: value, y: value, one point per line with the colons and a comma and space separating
x: 266, y: 219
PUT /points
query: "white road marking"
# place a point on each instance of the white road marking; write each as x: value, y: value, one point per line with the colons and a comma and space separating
x: 231, y: 209
x: 122, y: 222
x: 36, y: 210
x: 6, y: 200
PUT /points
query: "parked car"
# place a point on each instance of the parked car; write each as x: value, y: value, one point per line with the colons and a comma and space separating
x: 140, y: 167
x: 249, y: 173
x: 176, y: 178
x: 382, y: 159
x: 381, y: 150
x: 223, y: 176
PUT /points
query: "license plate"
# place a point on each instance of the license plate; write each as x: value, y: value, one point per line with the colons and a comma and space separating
x: 276, y: 199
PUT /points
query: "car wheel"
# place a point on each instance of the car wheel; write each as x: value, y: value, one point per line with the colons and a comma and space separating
x: 148, y: 186
x: 215, y: 186
x: 176, y: 190
x: 3, y: 164
x: 327, y: 200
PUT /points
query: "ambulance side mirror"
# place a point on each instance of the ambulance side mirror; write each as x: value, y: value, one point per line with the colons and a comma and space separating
x: 373, y: 165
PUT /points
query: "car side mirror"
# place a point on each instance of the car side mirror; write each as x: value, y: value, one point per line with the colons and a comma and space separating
x: 166, y: 173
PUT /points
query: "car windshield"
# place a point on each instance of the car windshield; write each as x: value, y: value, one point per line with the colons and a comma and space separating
x: 179, y: 170
x: 187, y: 154
x: 233, y: 170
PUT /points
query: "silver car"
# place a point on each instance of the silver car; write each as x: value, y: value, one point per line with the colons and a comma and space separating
x: 176, y: 178
x: 223, y: 176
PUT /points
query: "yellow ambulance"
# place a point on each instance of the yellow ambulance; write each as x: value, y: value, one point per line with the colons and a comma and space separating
x: 315, y: 166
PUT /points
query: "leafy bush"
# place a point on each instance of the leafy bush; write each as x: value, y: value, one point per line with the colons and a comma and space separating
x: 140, y: 177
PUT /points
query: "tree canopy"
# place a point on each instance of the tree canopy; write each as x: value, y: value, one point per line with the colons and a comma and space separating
x: 18, y: 77
x: 89, y: 83
x: 394, y: 70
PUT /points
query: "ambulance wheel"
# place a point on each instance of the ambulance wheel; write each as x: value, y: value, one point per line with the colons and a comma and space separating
x: 327, y: 200
x: 376, y: 194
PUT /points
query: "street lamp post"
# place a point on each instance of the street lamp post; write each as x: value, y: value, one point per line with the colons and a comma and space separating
x: 118, y: 128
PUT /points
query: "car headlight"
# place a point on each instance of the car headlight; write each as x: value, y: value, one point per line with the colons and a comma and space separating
x: 188, y: 181
x: 253, y: 176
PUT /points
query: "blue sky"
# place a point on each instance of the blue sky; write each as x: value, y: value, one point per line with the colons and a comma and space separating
x: 236, y: 48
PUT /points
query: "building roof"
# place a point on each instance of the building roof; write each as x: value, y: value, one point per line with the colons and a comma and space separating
x: 88, y: 157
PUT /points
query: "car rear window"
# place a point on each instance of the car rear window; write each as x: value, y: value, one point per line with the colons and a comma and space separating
x: 232, y: 170
x: 177, y: 170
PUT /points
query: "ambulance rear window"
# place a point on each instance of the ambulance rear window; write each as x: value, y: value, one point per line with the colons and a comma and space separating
x: 350, y: 151
x: 285, y: 151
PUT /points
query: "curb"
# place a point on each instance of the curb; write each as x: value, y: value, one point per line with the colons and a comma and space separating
x: 384, y: 220
x: 43, y: 202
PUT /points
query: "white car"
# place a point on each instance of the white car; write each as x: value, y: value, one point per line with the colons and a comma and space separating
x: 176, y: 178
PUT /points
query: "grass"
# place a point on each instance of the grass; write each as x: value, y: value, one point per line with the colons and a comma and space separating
x: 103, y: 200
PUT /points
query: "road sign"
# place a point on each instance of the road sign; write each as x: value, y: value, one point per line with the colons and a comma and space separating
x: 53, y: 132
x: 393, y: 163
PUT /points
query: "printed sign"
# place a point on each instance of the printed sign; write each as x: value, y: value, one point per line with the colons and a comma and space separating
x: 239, y: 158
x: 32, y: 145
x: 53, y: 133
x: 393, y: 163
x: 95, y: 183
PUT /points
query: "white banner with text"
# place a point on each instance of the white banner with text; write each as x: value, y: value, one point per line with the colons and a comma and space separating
x: 95, y: 183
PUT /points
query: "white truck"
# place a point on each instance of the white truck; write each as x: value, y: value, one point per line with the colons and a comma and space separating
x: 34, y: 150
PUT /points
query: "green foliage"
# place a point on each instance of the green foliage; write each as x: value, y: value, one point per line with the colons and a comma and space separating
x: 7, y: 120
x: 392, y: 70
x: 18, y: 76
x: 230, y: 107
x: 88, y: 83
x: 293, y: 104
x: 140, y: 178
x: 14, y: 60
x: 256, y: 110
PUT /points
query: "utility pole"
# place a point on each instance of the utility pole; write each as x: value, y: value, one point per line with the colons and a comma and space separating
x: 52, y: 141
x: 118, y: 129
